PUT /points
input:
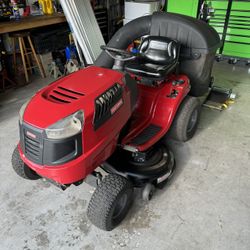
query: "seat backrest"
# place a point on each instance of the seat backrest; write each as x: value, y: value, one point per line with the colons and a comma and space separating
x: 159, y: 50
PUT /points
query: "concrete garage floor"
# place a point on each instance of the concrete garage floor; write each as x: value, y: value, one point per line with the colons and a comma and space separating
x: 206, y: 205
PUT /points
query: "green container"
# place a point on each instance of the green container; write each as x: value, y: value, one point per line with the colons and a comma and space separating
x: 237, y: 32
x: 185, y: 7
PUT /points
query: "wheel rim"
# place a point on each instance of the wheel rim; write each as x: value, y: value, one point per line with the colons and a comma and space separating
x: 192, y: 121
x: 120, y: 206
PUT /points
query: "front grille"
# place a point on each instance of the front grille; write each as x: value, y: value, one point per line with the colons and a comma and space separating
x: 32, y: 147
x: 32, y: 143
x: 43, y: 151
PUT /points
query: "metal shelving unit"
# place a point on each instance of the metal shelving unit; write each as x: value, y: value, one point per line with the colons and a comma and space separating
x: 101, y: 15
x: 232, y: 22
x: 115, y: 14
x: 109, y: 14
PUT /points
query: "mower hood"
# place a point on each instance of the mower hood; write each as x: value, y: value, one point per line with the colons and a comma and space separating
x: 64, y: 97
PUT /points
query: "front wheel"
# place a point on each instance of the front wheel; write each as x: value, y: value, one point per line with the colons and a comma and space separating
x: 110, y: 202
x: 186, y: 121
x: 21, y: 168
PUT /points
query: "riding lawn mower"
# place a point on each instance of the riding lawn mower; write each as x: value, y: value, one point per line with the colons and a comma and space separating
x: 107, y: 120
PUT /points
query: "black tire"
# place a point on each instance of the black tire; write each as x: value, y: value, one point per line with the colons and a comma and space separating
x: 110, y: 202
x: 218, y: 58
x: 186, y: 121
x: 21, y: 168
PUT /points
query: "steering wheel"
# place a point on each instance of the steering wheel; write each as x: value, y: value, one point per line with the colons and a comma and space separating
x: 118, y: 54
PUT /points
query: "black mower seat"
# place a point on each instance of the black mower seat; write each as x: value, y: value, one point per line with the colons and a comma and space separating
x: 157, y: 57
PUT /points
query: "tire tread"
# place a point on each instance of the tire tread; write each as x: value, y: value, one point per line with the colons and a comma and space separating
x: 178, y: 129
x: 101, y: 202
x: 19, y: 167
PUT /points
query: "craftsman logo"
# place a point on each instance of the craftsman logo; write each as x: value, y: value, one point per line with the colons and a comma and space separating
x: 30, y: 135
x: 116, y: 106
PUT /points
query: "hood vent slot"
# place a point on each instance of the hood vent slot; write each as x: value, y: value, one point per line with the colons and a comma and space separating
x: 63, y: 95
x: 104, y: 104
x: 57, y: 99
x: 71, y: 91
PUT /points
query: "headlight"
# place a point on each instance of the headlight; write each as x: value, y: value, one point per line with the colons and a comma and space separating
x: 66, y: 127
x: 21, y: 111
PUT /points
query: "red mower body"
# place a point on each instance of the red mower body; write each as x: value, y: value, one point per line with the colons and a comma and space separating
x: 70, y: 160
x: 108, y: 120
x: 155, y: 110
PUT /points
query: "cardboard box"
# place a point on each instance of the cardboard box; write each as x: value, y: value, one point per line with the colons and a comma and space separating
x: 46, y: 60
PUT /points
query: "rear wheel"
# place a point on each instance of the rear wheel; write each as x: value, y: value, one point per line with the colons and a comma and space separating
x: 21, y: 168
x: 110, y: 202
x: 186, y: 121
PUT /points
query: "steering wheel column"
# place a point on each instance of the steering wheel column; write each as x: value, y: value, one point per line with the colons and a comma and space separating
x: 119, y: 56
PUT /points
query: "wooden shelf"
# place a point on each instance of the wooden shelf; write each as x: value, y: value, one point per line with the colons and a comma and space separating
x: 31, y: 22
